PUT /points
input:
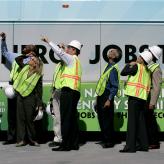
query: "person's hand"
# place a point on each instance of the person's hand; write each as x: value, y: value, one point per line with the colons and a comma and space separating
x: 3, y: 35
x: 151, y: 107
x: 31, y: 54
x: 45, y: 39
x: 132, y: 63
x: 61, y: 45
x: 107, y: 104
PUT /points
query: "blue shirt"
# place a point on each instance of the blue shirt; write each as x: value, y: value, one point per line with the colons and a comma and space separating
x: 9, y: 56
x: 113, y: 82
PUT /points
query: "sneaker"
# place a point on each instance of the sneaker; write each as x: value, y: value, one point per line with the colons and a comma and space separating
x: 21, y: 143
x: 34, y: 143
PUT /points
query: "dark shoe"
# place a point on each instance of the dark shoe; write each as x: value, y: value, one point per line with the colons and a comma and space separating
x: 8, y: 142
x: 107, y: 145
x: 141, y: 149
x: 21, y: 143
x: 154, y: 146
x: 126, y: 150
x: 53, y: 144
x: 34, y: 144
x: 75, y: 147
x: 60, y: 148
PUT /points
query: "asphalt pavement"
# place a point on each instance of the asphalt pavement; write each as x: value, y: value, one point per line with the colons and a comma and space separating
x: 89, y: 153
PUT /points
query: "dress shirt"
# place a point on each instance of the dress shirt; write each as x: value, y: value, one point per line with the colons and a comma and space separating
x: 113, y: 82
x: 67, y: 58
x: 9, y: 56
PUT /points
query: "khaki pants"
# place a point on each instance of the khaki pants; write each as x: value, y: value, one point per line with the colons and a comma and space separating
x: 56, y: 117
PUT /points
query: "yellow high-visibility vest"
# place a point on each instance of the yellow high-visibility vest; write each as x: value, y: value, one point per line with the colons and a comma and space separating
x: 71, y: 76
x: 153, y: 66
x: 57, y: 75
x: 139, y: 84
x: 101, y: 85
x: 23, y: 84
x: 14, y: 71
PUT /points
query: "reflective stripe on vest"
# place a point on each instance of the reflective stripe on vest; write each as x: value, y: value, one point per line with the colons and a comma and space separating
x: 14, y: 71
x: 139, y: 84
x: 153, y: 66
x: 101, y: 85
x: 57, y: 75
x: 24, y: 84
x: 71, y: 76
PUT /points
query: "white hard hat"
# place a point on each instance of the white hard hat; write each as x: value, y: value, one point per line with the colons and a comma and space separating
x: 9, y: 91
x: 156, y: 51
x: 76, y: 44
x: 39, y: 115
x: 49, y: 109
x: 147, y: 56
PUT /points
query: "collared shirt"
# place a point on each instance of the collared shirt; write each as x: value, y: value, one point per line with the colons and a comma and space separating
x: 9, y: 56
x: 156, y: 79
x: 113, y: 82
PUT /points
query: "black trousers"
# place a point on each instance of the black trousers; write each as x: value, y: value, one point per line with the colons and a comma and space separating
x: 152, y: 127
x: 26, y: 107
x: 69, y: 121
x: 106, y: 118
x: 136, y: 126
x: 11, y: 119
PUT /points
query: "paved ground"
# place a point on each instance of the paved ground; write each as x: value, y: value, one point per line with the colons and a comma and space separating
x: 89, y: 153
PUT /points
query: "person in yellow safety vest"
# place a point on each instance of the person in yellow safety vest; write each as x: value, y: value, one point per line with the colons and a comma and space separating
x: 70, y: 84
x: 137, y: 89
x: 28, y: 87
x: 9, y: 62
x: 156, y: 78
x: 106, y: 89
x: 55, y: 101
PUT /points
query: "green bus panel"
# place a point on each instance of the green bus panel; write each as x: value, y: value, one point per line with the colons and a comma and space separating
x: 87, y: 116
